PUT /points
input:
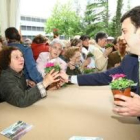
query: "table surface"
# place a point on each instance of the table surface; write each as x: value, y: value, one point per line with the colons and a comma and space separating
x: 72, y: 111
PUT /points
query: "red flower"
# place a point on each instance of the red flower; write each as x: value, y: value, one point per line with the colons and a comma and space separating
x: 49, y: 65
x: 117, y: 76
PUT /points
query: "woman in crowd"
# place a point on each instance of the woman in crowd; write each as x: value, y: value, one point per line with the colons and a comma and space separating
x: 73, y: 56
x: 14, y: 88
x: 55, y: 49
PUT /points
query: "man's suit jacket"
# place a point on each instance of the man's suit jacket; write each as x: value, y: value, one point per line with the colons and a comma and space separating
x: 129, y: 67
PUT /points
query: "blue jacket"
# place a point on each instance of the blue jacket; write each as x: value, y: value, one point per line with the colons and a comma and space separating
x: 129, y: 66
x: 30, y: 69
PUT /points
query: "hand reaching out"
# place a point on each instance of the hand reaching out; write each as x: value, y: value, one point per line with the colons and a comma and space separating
x: 50, y: 78
x: 64, y: 77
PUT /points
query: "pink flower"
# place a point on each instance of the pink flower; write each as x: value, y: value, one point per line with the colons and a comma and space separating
x: 49, y: 65
x: 117, y: 76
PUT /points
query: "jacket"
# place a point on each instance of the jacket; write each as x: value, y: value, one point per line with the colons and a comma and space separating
x: 13, y: 89
x: 38, y: 48
x: 129, y: 66
x: 113, y: 59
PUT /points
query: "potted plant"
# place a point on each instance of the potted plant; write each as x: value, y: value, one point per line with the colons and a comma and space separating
x: 121, y: 85
x: 49, y: 66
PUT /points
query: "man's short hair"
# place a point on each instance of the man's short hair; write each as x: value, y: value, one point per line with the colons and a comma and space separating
x: 134, y: 15
x: 100, y: 35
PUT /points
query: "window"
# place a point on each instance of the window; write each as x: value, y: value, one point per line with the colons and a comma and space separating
x: 23, y: 27
x: 33, y: 19
x: 22, y: 18
x: 34, y: 29
x: 29, y: 28
x: 28, y: 18
x: 38, y: 19
x: 38, y: 28
x: 42, y: 29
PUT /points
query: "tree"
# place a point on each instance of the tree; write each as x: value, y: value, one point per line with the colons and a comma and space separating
x: 116, y: 24
x: 64, y: 19
x: 118, y: 17
x: 96, y: 17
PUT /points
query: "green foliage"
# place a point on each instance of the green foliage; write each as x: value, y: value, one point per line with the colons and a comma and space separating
x: 121, y: 83
x: 65, y: 20
x: 96, y: 17
x: 109, y: 45
x: 55, y: 67
x: 88, y: 70
x: 90, y: 55
x: 115, y: 26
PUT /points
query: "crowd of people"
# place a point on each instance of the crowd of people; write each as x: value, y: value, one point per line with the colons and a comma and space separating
x: 22, y: 64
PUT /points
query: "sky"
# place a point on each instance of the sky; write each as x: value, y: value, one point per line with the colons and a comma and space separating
x: 43, y: 8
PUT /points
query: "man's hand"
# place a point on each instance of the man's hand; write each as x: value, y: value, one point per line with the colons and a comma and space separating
x: 64, y: 77
x: 130, y: 106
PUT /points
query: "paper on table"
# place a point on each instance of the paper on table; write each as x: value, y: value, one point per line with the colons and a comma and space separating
x: 16, y: 130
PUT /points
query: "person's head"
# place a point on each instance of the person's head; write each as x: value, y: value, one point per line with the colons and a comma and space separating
x: 85, y: 40
x: 101, y: 39
x: 56, y: 46
x: 73, y: 54
x: 110, y: 39
x: 121, y: 45
x: 115, y: 43
x: 12, y: 35
x: 131, y: 26
x: 11, y: 57
x: 77, y: 43
x: 27, y: 42
x: 39, y: 39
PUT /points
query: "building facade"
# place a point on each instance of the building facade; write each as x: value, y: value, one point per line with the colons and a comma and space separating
x: 32, y: 26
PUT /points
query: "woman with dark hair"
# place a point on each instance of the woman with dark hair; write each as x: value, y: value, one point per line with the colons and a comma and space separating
x: 14, y: 88
x: 13, y: 38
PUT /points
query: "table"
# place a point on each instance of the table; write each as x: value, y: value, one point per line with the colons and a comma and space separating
x: 72, y: 111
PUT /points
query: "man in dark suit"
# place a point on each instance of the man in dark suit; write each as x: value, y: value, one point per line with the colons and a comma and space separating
x: 129, y: 66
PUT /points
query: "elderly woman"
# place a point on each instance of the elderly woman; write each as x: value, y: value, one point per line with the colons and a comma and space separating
x: 13, y: 86
x: 73, y: 56
x: 55, y: 49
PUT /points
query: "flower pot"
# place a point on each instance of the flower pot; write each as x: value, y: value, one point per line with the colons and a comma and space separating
x: 125, y: 92
x: 53, y: 86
